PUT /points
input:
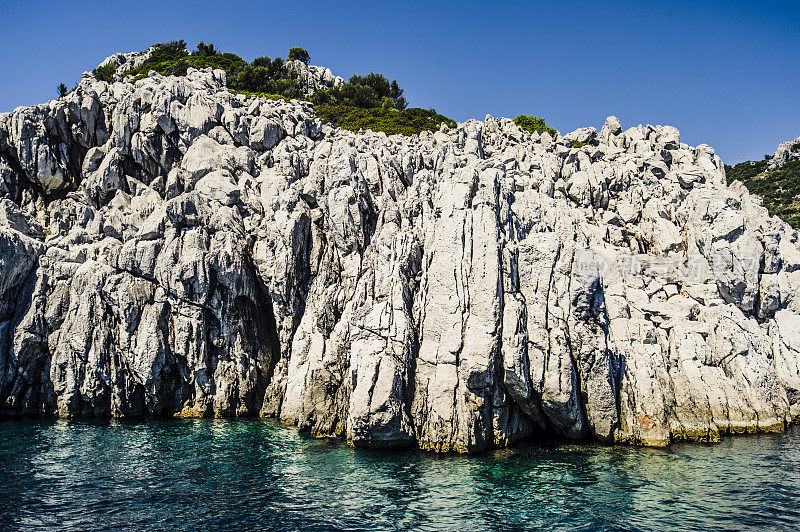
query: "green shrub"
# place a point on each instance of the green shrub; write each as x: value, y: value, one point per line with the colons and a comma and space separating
x: 162, y: 60
x: 105, y: 73
x: 62, y: 90
x: 175, y: 45
x: 205, y: 50
x: 179, y: 68
x: 578, y: 144
x: 267, y: 95
x: 390, y: 121
x: 533, y: 123
x: 267, y: 76
x: 275, y: 68
x: 299, y: 54
x: 372, y: 90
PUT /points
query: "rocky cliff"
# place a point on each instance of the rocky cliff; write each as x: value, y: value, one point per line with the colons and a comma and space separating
x: 169, y: 248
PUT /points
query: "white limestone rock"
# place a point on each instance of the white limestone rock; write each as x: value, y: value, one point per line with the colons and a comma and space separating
x: 169, y: 248
x: 786, y: 152
x: 313, y: 78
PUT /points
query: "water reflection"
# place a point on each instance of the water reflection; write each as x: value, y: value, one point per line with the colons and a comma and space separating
x: 222, y: 473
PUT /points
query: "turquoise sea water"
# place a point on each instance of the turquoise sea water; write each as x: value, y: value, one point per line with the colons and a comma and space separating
x: 223, y: 474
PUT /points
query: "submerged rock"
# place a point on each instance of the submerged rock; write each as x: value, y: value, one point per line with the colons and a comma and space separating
x: 170, y: 248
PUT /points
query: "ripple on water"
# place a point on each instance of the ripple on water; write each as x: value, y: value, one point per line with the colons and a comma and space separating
x: 194, y: 474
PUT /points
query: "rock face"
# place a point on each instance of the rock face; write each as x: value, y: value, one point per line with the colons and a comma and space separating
x: 786, y: 152
x: 313, y: 78
x: 169, y: 248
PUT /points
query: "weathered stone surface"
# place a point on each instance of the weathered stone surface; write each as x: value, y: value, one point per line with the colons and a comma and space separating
x: 313, y: 77
x: 169, y: 248
x: 786, y: 152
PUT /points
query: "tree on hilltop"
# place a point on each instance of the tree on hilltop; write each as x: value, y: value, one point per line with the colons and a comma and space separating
x: 299, y: 54
x: 204, y: 49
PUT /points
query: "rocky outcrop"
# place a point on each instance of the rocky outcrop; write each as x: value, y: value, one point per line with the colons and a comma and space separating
x: 786, y: 152
x: 313, y: 78
x: 170, y: 248
x: 123, y: 62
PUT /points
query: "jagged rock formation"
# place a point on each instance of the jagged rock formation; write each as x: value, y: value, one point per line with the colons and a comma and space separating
x: 169, y: 248
x: 313, y: 78
x: 786, y: 152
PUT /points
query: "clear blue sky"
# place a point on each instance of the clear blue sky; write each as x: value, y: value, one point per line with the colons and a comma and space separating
x: 725, y: 73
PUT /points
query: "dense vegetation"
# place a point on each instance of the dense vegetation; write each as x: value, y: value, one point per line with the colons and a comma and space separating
x: 746, y: 171
x: 779, y: 188
x: 105, y: 73
x: 390, y: 121
x: 363, y: 102
x: 266, y: 75
x: 299, y: 54
x: 533, y: 123
x: 373, y: 102
x: 372, y: 90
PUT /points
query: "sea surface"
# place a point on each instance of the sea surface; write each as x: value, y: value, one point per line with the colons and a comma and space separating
x: 257, y: 474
